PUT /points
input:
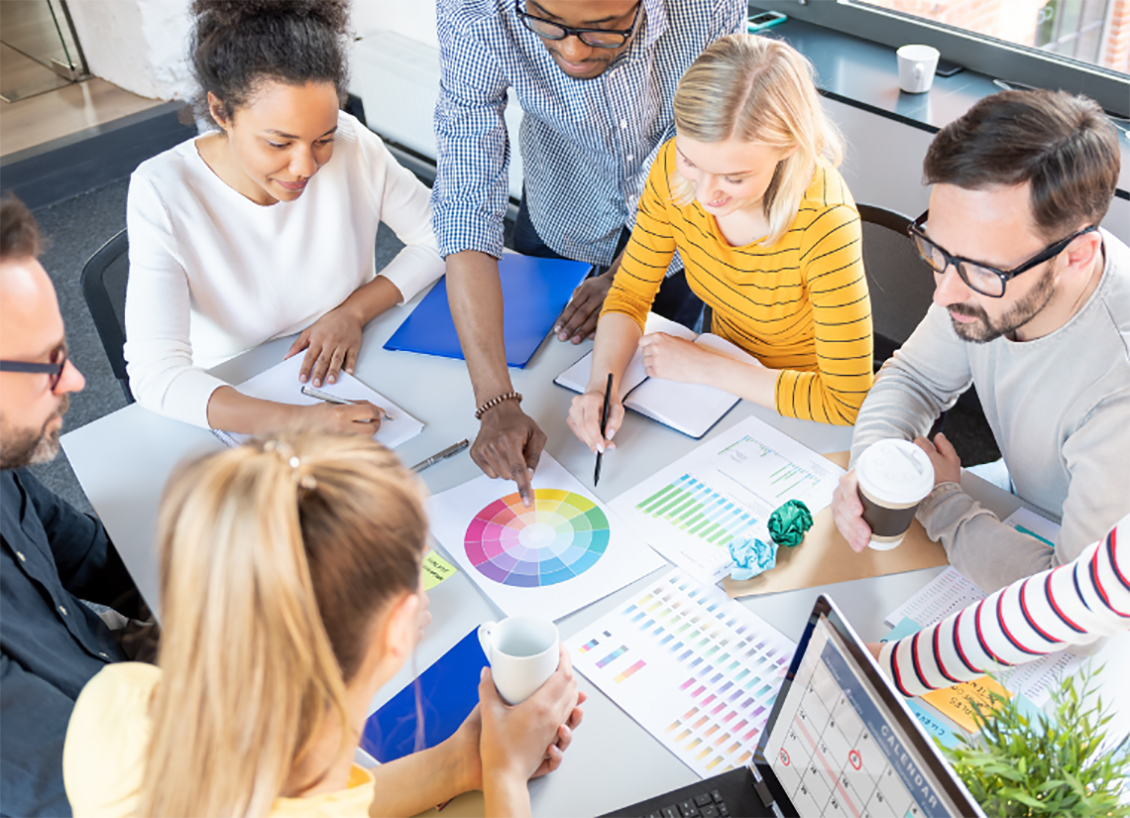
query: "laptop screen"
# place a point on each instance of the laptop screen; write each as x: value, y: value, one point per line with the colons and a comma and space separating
x: 837, y: 749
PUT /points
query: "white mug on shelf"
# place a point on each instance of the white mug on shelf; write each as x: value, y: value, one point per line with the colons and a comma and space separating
x: 523, y: 652
x: 917, y: 64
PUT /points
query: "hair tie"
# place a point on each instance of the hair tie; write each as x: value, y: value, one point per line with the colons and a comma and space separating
x: 284, y: 452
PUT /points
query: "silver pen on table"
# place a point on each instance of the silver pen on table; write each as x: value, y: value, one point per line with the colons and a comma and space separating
x: 450, y: 451
x: 318, y: 394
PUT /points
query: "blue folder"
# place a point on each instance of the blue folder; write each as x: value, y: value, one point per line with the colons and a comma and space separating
x: 534, y: 292
x: 449, y: 691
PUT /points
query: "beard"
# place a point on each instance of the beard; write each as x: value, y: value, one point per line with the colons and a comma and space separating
x: 26, y: 447
x: 984, y: 329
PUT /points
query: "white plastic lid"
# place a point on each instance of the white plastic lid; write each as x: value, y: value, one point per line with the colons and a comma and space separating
x: 895, y: 471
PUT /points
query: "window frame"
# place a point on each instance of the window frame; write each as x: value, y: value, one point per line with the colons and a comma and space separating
x: 980, y: 53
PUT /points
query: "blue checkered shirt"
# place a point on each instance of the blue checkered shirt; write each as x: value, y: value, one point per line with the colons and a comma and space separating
x: 586, y: 145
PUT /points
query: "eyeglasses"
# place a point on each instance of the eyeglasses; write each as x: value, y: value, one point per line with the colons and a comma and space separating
x: 53, y: 370
x: 593, y: 37
x: 980, y: 277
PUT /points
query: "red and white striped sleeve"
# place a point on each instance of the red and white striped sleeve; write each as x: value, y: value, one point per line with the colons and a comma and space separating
x: 1074, y: 604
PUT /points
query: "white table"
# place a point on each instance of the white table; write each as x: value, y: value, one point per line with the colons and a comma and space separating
x: 124, y: 459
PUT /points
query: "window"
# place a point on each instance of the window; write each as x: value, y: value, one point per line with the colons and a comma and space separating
x: 1081, y: 46
x: 1096, y: 32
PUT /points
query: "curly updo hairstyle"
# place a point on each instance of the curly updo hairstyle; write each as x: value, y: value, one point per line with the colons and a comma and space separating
x: 239, y: 44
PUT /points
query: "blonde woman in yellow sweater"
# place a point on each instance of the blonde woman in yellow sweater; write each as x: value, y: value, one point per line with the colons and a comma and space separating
x: 749, y: 195
x: 291, y: 592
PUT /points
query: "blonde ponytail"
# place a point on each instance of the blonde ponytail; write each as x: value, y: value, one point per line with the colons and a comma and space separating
x: 756, y: 89
x: 273, y: 556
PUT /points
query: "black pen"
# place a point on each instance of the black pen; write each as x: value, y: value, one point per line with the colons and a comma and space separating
x: 603, y: 424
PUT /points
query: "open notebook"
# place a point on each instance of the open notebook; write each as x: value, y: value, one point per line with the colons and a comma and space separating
x: 690, y: 408
x: 280, y: 384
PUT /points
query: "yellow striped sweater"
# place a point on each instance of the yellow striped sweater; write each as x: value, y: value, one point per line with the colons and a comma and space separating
x: 800, y: 306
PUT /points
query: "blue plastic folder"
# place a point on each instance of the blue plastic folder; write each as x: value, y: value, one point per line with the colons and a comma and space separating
x: 534, y: 292
x: 449, y: 691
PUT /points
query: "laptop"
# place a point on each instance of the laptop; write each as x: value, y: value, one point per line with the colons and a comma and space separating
x: 840, y: 741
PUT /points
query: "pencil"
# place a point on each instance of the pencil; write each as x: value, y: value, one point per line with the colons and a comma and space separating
x: 603, y: 425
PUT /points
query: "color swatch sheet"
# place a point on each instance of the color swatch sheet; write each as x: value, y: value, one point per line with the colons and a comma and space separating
x: 695, y: 669
x: 548, y: 560
x: 725, y: 490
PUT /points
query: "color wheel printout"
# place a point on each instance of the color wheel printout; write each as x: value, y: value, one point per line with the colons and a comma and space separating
x: 561, y: 554
x: 695, y: 669
x: 725, y: 490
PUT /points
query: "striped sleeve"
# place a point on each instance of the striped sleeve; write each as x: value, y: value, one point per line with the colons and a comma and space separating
x: 649, y: 251
x: 1073, y: 604
x: 832, y: 267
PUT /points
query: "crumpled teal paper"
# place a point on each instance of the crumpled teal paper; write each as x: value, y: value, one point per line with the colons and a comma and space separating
x: 751, y: 557
x: 788, y: 524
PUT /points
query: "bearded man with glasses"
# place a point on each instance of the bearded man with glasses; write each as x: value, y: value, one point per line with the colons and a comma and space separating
x: 1031, y: 306
x: 595, y: 80
x: 51, y: 556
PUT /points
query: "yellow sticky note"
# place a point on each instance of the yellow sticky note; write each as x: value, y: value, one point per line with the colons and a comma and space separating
x: 436, y: 570
x: 956, y: 702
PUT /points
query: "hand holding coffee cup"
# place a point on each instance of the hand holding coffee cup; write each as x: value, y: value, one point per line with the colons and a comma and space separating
x: 894, y: 477
x: 523, y: 652
x: 917, y: 64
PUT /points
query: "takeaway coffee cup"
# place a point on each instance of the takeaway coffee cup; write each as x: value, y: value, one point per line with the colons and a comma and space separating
x: 894, y: 478
x: 917, y: 64
x: 523, y: 652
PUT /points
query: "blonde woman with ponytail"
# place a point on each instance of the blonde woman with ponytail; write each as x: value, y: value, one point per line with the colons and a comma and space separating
x: 749, y: 195
x: 290, y: 583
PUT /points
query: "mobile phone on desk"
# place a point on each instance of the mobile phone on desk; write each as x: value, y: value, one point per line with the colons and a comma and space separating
x: 764, y: 20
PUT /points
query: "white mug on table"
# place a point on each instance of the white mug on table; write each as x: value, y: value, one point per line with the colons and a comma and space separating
x: 523, y: 652
x: 917, y: 64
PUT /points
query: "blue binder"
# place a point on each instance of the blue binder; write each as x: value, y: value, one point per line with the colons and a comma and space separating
x: 534, y: 292
x: 449, y: 691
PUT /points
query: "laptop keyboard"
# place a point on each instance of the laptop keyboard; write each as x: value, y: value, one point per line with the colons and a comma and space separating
x: 705, y: 805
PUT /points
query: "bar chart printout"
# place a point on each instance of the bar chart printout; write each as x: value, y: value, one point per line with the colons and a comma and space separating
x: 835, y: 753
x: 694, y: 668
x: 725, y: 490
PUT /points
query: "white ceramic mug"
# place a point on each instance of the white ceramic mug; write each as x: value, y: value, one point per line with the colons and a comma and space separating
x: 917, y: 64
x: 523, y: 652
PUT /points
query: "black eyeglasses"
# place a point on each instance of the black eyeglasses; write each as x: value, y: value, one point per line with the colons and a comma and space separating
x: 53, y: 370
x: 593, y: 37
x: 980, y: 277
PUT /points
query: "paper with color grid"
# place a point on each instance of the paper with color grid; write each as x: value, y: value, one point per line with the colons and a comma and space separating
x: 695, y: 669
x: 564, y: 553
x: 280, y: 384
x: 723, y: 490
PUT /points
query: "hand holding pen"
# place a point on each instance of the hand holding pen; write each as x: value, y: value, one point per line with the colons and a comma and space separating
x: 359, y: 417
x: 585, y: 417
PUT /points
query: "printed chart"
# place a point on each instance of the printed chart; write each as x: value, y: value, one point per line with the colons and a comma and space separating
x: 725, y: 490
x: 558, y: 555
x: 833, y: 750
x: 561, y: 537
x: 697, y: 670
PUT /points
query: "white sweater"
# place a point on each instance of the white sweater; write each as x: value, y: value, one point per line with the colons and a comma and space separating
x: 212, y: 274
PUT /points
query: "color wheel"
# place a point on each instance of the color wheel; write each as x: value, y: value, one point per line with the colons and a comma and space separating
x: 562, y: 536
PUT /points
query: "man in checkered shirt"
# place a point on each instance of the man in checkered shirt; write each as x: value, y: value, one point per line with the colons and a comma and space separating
x: 595, y: 79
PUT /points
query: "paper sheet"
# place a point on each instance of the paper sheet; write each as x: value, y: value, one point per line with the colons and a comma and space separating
x: 698, y: 671
x: 946, y: 594
x: 825, y: 557
x: 280, y: 384
x: 1028, y: 522
x: 933, y: 725
x: 548, y: 561
x: 725, y: 489
x: 956, y: 703
x: 436, y: 569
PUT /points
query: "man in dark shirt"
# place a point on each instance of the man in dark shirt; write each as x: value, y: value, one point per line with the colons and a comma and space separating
x: 51, y: 555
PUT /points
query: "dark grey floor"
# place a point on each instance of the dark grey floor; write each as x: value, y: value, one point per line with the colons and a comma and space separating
x: 77, y: 227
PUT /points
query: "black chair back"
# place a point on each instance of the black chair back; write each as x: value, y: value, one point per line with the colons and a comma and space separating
x: 104, y: 279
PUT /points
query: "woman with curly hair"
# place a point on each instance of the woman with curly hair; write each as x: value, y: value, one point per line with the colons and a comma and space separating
x: 267, y: 225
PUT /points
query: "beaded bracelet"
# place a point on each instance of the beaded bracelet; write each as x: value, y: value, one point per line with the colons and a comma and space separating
x: 495, y: 401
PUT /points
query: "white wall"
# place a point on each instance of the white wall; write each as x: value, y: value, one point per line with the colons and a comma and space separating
x: 139, y: 45
x: 414, y: 19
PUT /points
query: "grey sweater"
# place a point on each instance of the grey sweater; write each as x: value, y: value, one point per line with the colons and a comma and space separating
x: 1059, y: 408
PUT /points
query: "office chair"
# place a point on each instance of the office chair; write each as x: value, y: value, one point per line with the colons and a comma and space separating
x: 104, y: 279
x: 900, y: 282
